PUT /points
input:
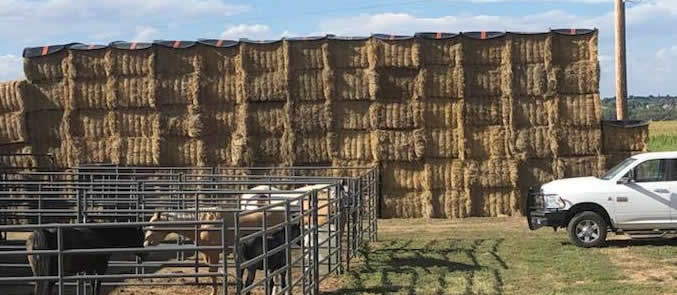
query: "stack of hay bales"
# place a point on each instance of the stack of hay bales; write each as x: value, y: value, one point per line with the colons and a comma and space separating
x: 460, y: 125
x: 13, y: 135
x: 623, y: 139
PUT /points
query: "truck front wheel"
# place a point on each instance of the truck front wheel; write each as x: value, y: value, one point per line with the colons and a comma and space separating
x: 587, y: 229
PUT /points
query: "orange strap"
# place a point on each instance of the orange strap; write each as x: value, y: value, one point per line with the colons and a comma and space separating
x: 438, y: 35
x: 572, y: 31
x: 133, y: 46
x: 391, y: 37
x: 219, y: 43
x: 483, y: 35
x: 45, y: 50
x: 91, y: 46
x: 177, y: 44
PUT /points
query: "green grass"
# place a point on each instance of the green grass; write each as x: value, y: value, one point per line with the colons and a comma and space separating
x: 501, y: 256
x: 663, y: 136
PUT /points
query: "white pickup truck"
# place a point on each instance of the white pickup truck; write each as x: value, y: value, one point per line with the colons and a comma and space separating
x: 637, y: 197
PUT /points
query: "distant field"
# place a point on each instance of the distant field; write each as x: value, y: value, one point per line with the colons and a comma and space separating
x: 663, y: 136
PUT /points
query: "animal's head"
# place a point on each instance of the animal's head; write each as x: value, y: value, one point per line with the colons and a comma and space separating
x: 139, y: 241
x: 153, y: 236
x: 295, y: 233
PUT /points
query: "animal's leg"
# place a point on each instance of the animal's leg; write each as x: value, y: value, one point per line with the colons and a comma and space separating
x: 100, y: 270
x: 251, y: 274
x: 213, y: 259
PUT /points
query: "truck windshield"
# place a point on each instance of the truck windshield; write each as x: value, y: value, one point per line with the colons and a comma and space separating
x: 618, y: 168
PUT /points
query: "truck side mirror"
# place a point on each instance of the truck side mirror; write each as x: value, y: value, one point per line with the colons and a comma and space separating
x: 623, y: 180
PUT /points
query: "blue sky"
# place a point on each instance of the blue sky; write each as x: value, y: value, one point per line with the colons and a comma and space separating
x: 652, y: 25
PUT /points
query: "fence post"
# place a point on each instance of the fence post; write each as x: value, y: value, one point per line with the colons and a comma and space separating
x: 236, y: 252
x: 224, y: 228
x: 339, y: 217
x: 59, y: 245
x: 315, y: 249
x: 288, y: 258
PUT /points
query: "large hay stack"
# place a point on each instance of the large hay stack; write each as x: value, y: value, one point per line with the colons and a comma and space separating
x: 461, y: 125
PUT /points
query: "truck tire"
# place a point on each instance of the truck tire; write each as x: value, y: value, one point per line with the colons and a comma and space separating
x: 587, y: 229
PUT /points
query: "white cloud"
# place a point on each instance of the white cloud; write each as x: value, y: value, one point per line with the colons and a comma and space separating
x: 256, y: 32
x: 11, y: 67
x: 145, y: 33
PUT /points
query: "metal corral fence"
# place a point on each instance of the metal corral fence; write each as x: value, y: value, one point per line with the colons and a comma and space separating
x: 335, y: 216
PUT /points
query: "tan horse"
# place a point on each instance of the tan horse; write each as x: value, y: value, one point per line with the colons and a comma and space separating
x: 206, y: 237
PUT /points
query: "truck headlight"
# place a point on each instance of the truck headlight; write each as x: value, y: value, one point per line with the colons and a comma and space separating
x: 553, y: 202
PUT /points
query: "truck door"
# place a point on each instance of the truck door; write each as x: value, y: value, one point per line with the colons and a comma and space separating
x: 672, y: 186
x: 645, y: 201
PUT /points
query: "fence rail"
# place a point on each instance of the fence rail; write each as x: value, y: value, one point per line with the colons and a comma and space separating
x: 335, y: 219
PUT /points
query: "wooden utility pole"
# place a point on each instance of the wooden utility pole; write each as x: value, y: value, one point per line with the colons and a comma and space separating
x: 621, y: 67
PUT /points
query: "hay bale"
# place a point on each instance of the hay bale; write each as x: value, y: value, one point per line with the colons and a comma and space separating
x: 402, y: 204
x: 51, y: 67
x: 444, y: 174
x: 91, y: 123
x: 216, y: 90
x: 446, y: 53
x: 18, y: 161
x: 398, y: 84
x: 308, y: 85
x: 625, y: 139
x: 396, y: 54
x: 89, y: 94
x: 141, y: 122
x: 218, y: 149
x: 484, y: 81
x: 140, y: 151
x: 45, y: 95
x: 132, y: 92
x: 399, y: 145
x: 45, y: 127
x: 182, y: 151
x: 352, y: 115
x: 534, y: 142
x: 311, y: 148
x: 444, y: 143
x: 487, y: 142
x: 576, y: 142
x: 307, y: 55
x: 530, y: 79
x: 11, y: 99
x: 354, y: 84
x: 220, y: 119
x: 529, y: 49
x: 535, y: 172
x: 492, y: 52
x: 486, y: 111
x: 266, y: 150
x: 89, y: 64
x: 612, y: 159
x: 495, y: 202
x: 451, y: 203
x: 396, y: 115
x: 580, y: 166
x: 353, y: 145
x: 399, y: 175
x: 578, y: 78
x: 182, y: 121
x: 266, y: 86
x: 96, y: 150
x: 131, y: 63
x: 272, y: 57
x: 267, y: 118
x: 219, y: 62
x: 310, y: 117
x: 580, y: 111
x: 570, y: 49
x: 12, y: 128
x: 443, y: 113
x: 178, y: 90
x: 492, y: 173
x: 533, y: 112
x: 443, y: 82
x: 170, y: 62
x: 345, y: 54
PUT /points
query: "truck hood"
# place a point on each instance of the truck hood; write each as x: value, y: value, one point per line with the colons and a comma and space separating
x: 574, y: 185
